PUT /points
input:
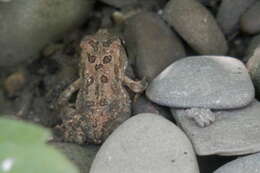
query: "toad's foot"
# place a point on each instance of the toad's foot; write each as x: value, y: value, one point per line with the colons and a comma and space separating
x: 135, y: 86
x: 71, y: 129
x: 203, y: 117
x: 68, y: 133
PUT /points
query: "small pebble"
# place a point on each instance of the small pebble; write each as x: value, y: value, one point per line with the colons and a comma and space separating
x: 151, y: 44
x: 196, y: 25
x: 215, y: 82
x: 146, y: 143
x: 249, y: 21
x: 246, y: 164
x: 14, y: 83
x: 235, y: 132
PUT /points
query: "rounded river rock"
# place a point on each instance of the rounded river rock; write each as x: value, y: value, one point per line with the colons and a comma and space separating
x: 230, y: 12
x: 28, y: 25
x: 146, y: 143
x: 151, y: 44
x: 246, y: 164
x: 250, y: 22
x: 235, y: 131
x: 215, y: 82
x: 196, y: 25
x: 253, y: 65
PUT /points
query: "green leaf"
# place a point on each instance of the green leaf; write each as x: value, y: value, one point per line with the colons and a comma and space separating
x: 22, y: 132
x: 23, y: 150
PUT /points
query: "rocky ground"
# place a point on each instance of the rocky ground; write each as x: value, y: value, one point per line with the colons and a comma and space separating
x: 201, y: 60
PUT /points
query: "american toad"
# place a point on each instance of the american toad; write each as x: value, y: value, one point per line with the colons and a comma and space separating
x: 102, y: 103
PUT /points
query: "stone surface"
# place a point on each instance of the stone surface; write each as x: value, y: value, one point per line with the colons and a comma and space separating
x: 249, y: 21
x: 215, y: 82
x: 151, y: 43
x: 253, y: 65
x: 208, y: 2
x: 6, y: 107
x: 229, y: 14
x: 196, y: 25
x: 146, y: 143
x: 147, y: 4
x: 143, y: 105
x: 28, y: 25
x: 235, y: 132
x: 246, y: 164
x: 81, y: 156
x: 152, y: 4
x: 254, y: 43
x: 120, y: 3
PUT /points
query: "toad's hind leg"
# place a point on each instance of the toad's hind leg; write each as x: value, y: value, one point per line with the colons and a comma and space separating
x: 71, y: 130
x: 136, y: 86
x: 203, y: 117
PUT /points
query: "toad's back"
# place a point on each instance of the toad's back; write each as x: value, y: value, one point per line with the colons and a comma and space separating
x: 102, y: 98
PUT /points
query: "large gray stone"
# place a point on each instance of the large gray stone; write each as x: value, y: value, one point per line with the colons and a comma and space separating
x: 196, y: 25
x: 28, y: 25
x: 152, y: 44
x: 247, y: 164
x: 235, y: 132
x: 214, y: 82
x: 229, y: 14
x: 146, y: 143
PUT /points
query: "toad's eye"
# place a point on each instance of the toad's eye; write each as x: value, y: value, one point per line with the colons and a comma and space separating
x: 91, y: 58
x: 107, y: 43
x: 107, y: 59
x: 94, y: 45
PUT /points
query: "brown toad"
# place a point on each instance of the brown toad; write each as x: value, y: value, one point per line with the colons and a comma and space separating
x: 102, y: 103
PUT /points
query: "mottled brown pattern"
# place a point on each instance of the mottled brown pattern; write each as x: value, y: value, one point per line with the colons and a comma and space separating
x: 102, y: 102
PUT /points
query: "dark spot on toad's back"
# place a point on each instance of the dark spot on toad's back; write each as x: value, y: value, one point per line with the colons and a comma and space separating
x: 107, y: 59
x: 104, y: 79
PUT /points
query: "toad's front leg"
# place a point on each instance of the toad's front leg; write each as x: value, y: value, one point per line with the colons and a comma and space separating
x: 203, y: 117
x: 63, y: 99
x: 135, y: 86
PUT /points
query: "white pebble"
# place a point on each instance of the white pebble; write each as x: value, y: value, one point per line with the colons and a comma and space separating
x: 7, y: 164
